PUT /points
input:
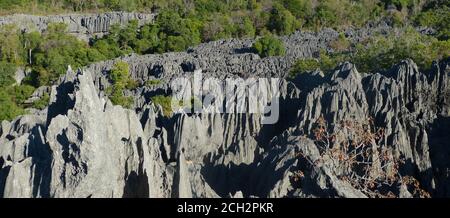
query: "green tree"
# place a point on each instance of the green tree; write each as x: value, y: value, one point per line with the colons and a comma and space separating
x: 304, y: 65
x: 269, y: 46
x: 8, y: 108
x: 10, y: 46
x: 148, y: 40
x: 31, y: 41
x: 7, y: 71
x: 437, y: 18
x: 128, y: 35
x: 120, y: 77
x: 301, y: 9
x: 245, y: 28
x: 56, y: 50
x: 326, y: 15
x: 11, y: 98
x: 176, y: 33
x: 281, y: 21
x: 120, y: 74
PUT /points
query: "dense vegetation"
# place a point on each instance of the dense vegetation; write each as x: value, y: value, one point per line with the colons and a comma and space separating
x: 269, y: 46
x: 184, y: 23
x: 168, y: 107
x: 121, y: 80
x: 45, y: 56
x: 380, y: 53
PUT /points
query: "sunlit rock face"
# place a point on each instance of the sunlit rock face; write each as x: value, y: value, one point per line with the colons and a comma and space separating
x: 83, y: 146
x: 84, y: 26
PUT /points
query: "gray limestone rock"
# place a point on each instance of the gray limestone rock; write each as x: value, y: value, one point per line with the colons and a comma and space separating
x: 83, y: 146
x: 84, y: 26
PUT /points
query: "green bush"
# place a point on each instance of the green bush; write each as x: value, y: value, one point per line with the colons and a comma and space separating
x: 281, y: 21
x: 176, y: 33
x: 165, y: 102
x: 380, y: 53
x: 326, y: 15
x: 245, y: 28
x: 340, y: 44
x: 10, y: 45
x: 56, y: 50
x: 325, y: 62
x: 400, y: 4
x: 7, y: 71
x: 20, y: 93
x: 11, y: 100
x: 304, y: 65
x: 121, y: 80
x: 301, y: 9
x: 116, y: 96
x: 438, y: 18
x: 269, y: 46
x: 42, y: 102
x: 152, y: 82
x: 8, y: 108
x: 120, y: 74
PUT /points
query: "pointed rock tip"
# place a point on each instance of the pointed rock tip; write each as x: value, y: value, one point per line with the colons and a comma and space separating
x: 346, y: 70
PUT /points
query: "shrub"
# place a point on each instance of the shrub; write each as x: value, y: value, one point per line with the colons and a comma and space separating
x: 302, y: 9
x: 325, y: 62
x: 121, y: 80
x: 11, y: 100
x: 340, y: 44
x: 437, y: 18
x: 380, y: 53
x: 221, y: 27
x: 132, y: 84
x: 176, y: 33
x: 399, y: 4
x: 120, y: 73
x: 42, y: 102
x: 398, y: 19
x: 8, y: 107
x: 10, y: 45
x: 7, y: 71
x: 357, y: 150
x: 281, y: 21
x: 116, y: 96
x: 245, y: 29
x: 304, y: 65
x: 152, y: 82
x: 325, y: 14
x: 165, y: 102
x: 56, y: 50
x: 20, y: 93
x: 269, y: 46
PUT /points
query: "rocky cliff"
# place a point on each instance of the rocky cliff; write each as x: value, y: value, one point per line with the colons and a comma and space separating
x: 84, y: 26
x: 343, y: 134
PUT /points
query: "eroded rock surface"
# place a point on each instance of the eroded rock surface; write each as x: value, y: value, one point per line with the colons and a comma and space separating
x: 83, y: 146
x: 84, y: 26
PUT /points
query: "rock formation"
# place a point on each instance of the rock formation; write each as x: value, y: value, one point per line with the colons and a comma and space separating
x: 83, y: 146
x: 84, y: 26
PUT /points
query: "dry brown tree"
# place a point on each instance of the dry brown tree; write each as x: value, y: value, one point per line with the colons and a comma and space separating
x: 359, y: 157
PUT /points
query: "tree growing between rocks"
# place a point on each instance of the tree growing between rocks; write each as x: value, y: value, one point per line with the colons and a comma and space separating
x: 269, y: 46
x: 121, y: 80
x: 355, y: 151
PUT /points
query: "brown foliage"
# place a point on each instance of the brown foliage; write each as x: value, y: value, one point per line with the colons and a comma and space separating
x: 360, y: 158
